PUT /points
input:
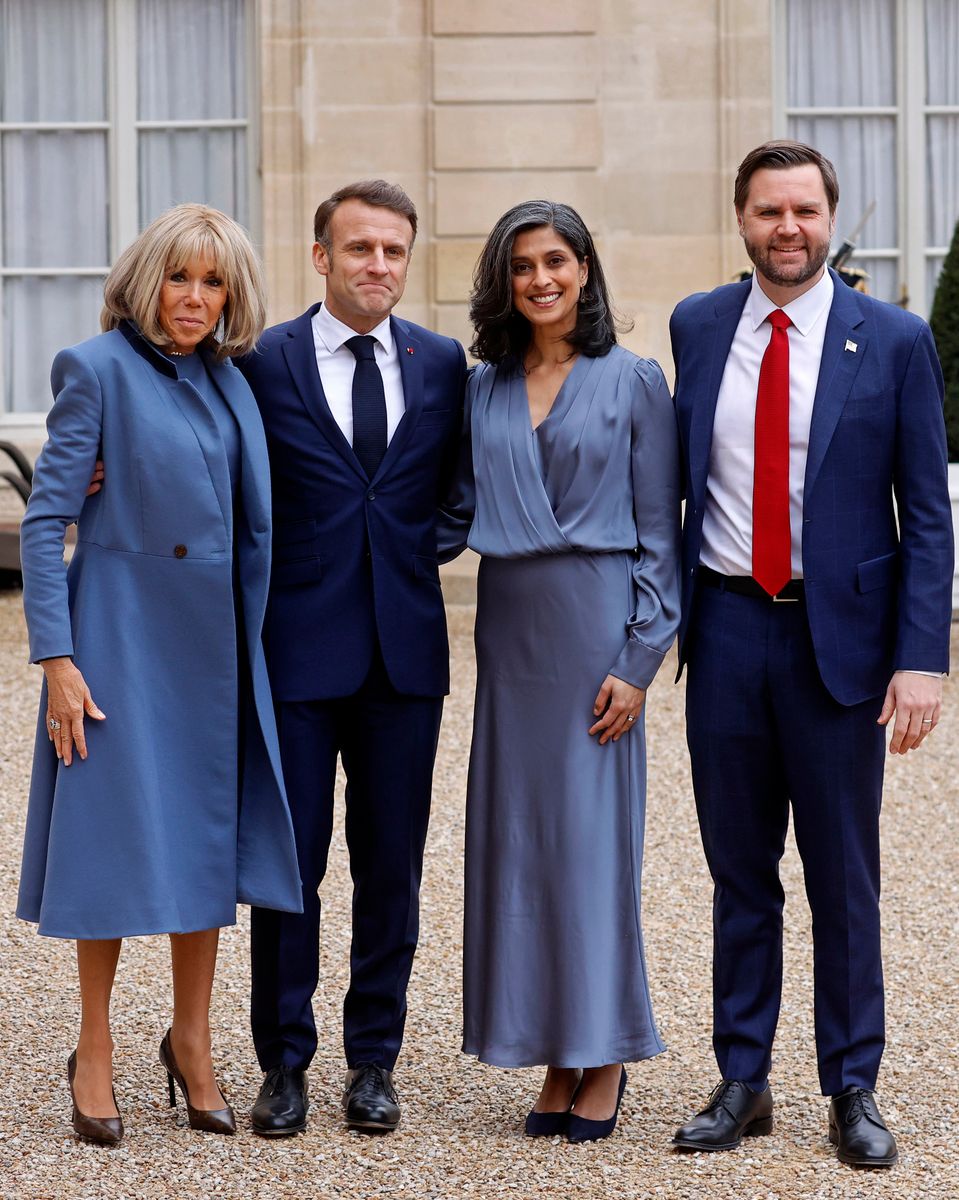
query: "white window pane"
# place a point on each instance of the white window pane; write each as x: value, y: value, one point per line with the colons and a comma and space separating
x: 942, y: 179
x: 55, y: 200
x: 840, y: 55
x: 933, y: 268
x: 882, y: 277
x: 53, y: 60
x: 40, y: 317
x: 942, y: 51
x: 192, y: 59
x: 208, y: 166
x: 863, y: 151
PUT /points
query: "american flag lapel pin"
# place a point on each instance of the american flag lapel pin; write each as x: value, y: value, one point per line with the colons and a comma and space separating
x: 409, y: 349
x: 851, y: 346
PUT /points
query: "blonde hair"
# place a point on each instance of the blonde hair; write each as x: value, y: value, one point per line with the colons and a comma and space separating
x: 174, y: 240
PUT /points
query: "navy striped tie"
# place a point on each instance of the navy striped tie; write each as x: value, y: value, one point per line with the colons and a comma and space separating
x: 369, y: 405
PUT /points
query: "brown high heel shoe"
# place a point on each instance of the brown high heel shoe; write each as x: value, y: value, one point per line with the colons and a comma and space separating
x: 209, y: 1120
x: 104, y: 1131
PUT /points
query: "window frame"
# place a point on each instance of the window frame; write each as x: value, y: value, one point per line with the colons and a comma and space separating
x: 911, y: 113
x: 122, y: 129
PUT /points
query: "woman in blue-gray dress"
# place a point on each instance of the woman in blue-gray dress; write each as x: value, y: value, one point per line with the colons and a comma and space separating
x: 156, y: 802
x: 570, y: 481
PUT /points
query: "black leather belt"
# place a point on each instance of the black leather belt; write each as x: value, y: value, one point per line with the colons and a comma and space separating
x: 745, y: 585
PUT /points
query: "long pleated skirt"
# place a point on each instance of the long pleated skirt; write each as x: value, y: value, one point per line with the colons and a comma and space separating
x: 554, y: 967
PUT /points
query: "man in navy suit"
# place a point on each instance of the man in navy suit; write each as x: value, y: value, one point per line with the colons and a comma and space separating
x: 362, y: 413
x: 817, y: 581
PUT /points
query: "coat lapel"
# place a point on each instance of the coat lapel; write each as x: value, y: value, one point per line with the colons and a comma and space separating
x: 300, y: 354
x: 837, y: 372
x: 714, y: 340
x: 254, y: 477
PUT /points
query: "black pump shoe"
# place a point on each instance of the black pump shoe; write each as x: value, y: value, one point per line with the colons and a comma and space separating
x: 549, y: 1124
x: 581, y: 1129
x: 858, y: 1132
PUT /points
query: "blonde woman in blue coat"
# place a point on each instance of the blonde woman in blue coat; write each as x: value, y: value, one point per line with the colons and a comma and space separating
x: 157, y: 801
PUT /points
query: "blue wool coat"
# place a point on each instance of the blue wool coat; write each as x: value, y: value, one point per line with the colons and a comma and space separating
x: 179, y: 810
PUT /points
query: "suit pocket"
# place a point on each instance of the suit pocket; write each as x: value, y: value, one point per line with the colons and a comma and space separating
x: 291, y: 572
x: 437, y: 416
x: 878, y: 572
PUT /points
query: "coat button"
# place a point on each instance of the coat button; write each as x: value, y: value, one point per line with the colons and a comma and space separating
x: 371, y: 495
x: 179, y: 551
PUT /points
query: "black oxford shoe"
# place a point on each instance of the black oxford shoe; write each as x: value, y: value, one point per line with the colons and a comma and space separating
x: 858, y: 1132
x: 369, y: 1099
x: 733, y: 1112
x: 282, y: 1104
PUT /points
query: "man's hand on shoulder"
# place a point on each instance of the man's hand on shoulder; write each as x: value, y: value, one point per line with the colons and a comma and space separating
x: 96, y: 481
x: 916, y: 700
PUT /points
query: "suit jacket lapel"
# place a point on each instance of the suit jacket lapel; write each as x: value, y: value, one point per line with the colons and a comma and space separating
x: 409, y: 350
x: 837, y: 372
x: 300, y: 355
x: 715, y: 340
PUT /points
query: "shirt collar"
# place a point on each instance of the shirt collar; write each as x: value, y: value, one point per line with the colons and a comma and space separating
x: 804, y: 311
x: 334, y: 334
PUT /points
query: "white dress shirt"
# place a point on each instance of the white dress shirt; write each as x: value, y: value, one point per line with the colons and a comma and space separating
x: 727, y: 544
x: 335, y: 362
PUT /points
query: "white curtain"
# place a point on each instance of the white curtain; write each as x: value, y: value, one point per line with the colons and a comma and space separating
x: 53, y: 57
x: 55, y: 186
x: 208, y: 165
x: 942, y: 151
x: 53, y: 53
x: 192, y: 65
x: 841, y: 56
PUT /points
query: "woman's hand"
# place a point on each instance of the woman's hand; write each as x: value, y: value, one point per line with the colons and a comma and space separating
x: 68, y: 701
x: 617, y: 705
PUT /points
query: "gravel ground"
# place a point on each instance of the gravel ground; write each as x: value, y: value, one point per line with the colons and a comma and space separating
x: 461, y: 1134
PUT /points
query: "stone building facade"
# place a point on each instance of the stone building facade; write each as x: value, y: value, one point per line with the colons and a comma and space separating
x: 634, y: 112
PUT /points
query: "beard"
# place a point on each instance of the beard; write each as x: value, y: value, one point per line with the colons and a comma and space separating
x: 787, y: 274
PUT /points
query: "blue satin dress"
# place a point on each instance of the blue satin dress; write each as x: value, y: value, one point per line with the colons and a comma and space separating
x: 577, y: 523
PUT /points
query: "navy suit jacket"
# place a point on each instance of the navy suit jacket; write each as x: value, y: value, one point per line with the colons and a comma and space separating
x: 354, y: 559
x: 877, y: 545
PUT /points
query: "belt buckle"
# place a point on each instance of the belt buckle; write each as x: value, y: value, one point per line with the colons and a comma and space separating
x: 785, y: 599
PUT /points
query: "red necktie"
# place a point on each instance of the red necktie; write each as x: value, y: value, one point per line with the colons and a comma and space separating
x: 772, y: 543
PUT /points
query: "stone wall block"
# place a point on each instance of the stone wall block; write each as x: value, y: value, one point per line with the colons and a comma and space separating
x: 470, y: 203
x: 514, y: 68
x: 508, y: 16
x: 453, y: 269
x: 516, y: 136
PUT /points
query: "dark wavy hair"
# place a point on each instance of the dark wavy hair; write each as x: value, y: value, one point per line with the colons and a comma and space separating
x: 501, y: 334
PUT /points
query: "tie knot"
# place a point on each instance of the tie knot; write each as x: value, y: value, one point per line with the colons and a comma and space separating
x: 777, y: 318
x: 362, y: 347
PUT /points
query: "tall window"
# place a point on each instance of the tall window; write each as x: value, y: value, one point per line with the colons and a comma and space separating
x: 874, y: 84
x: 110, y: 111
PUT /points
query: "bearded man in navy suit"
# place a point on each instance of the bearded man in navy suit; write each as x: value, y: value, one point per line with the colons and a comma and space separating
x: 817, y: 584
x: 362, y: 414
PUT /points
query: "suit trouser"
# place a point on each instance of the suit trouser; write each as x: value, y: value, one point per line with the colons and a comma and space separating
x: 388, y: 743
x: 763, y: 732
